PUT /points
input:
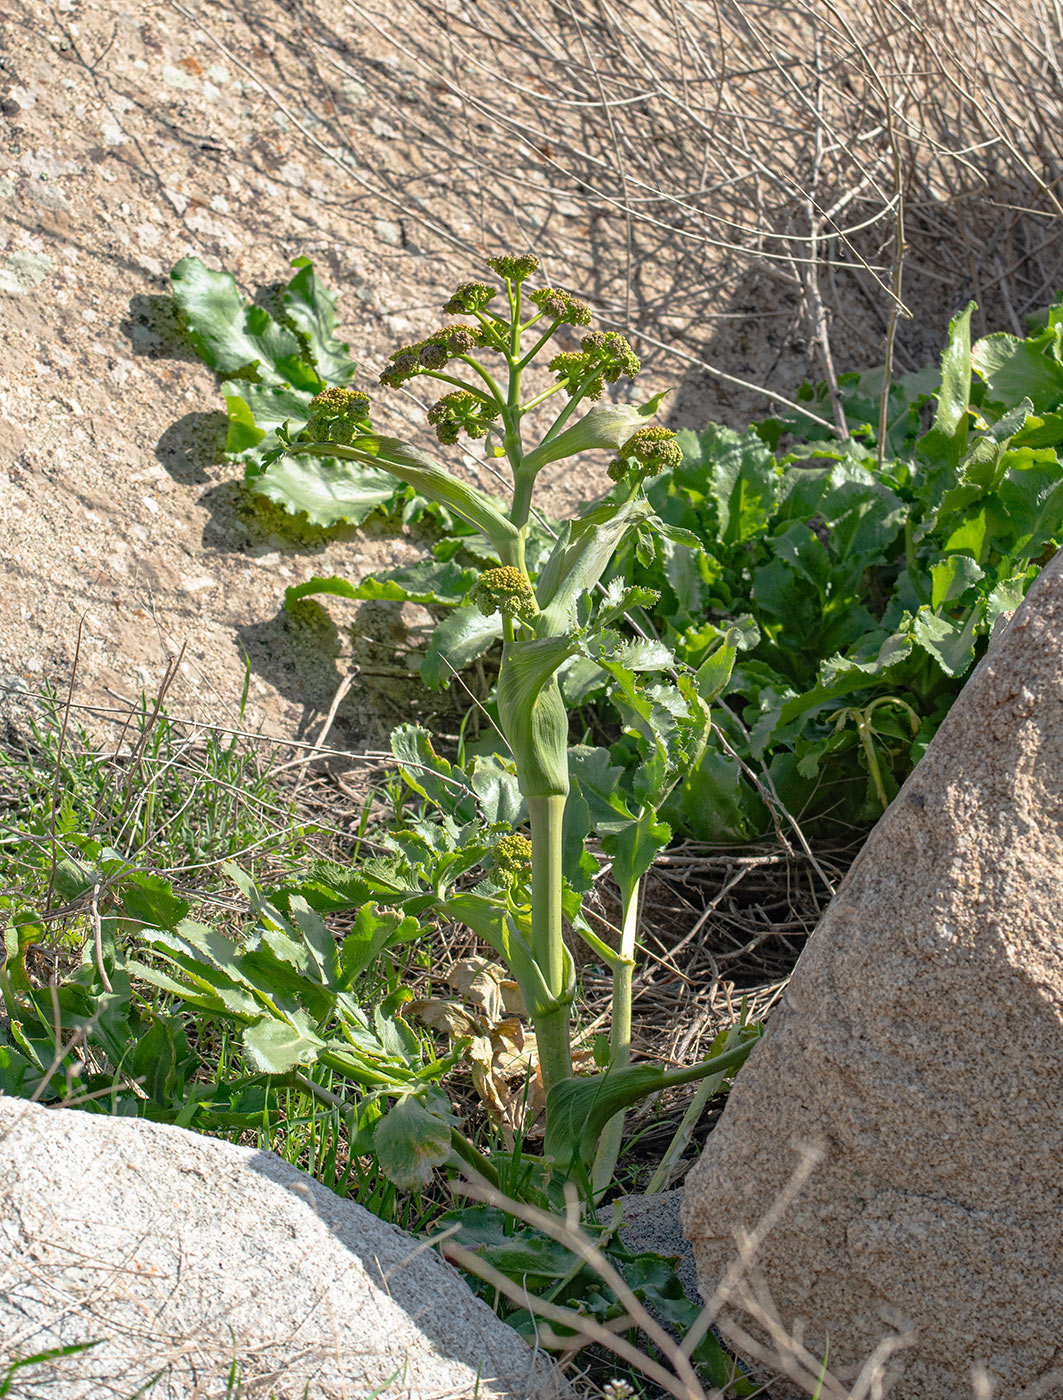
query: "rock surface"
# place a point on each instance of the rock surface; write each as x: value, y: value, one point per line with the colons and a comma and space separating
x: 189, y: 1260
x: 249, y: 134
x: 920, y: 1044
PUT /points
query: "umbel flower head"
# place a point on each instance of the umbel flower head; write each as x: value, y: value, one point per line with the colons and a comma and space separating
x: 602, y: 358
x: 514, y: 267
x: 462, y: 412
x: 506, y: 590
x: 469, y: 298
x: 511, y: 860
x: 431, y: 353
x: 647, y: 452
x: 338, y: 415
x: 561, y: 306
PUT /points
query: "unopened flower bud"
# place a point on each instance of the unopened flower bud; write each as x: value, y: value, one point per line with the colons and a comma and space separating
x: 506, y: 590
x: 337, y: 415
x: 514, y: 268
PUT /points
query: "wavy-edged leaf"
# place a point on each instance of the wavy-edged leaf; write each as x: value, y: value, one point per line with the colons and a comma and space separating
x: 436, y: 582
x: 232, y: 335
x: 255, y: 412
x: 311, y: 307
x: 325, y: 490
x: 457, y: 642
x: 946, y: 440
x: 276, y: 1047
x: 1015, y: 369
x: 429, y: 774
x: 418, y: 470
x: 951, y: 644
x: 412, y: 1139
x: 494, y: 782
x: 743, y: 479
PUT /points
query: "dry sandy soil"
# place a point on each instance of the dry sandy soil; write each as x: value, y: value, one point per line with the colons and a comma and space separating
x: 252, y: 133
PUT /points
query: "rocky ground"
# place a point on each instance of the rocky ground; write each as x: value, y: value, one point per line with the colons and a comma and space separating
x: 247, y: 136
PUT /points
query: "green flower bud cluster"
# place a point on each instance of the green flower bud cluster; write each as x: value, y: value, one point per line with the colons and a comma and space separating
x: 506, y: 590
x: 469, y: 298
x: 431, y: 353
x: 462, y: 412
x: 514, y: 268
x: 603, y: 355
x: 511, y: 860
x: 561, y: 306
x: 338, y: 415
x: 647, y: 452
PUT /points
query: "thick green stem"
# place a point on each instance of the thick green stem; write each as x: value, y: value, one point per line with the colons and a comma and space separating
x: 608, y: 1153
x: 548, y: 949
x: 523, y: 484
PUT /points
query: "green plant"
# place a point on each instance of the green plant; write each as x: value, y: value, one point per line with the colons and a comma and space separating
x: 857, y: 593
x: 548, y: 623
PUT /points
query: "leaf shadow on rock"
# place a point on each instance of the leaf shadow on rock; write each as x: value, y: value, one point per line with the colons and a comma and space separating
x: 299, y: 657
x: 154, y: 330
x: 191, y: 445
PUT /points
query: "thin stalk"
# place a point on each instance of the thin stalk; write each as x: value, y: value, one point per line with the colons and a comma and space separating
x: 681, y: 1138
x: 562, y: 418
x: 623, y: 965
x: 548, y: 949
x: 531, y: 354
x: 493, y: 397
x: 541, y: 398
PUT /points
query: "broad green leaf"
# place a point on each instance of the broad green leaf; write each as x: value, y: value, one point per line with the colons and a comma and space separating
x: 327, y: 491
x: 374, y: 929
x: 255, y: 412
x: 418, y: 470
x: 648, y: 655
x: 276, y: 1047
x: 312, y: 309
x: 412, y: 1140
x: 15, y: 1069
x: 495, y: 784
x: 947, y: 439
x: 634, y: 847
x: 233, y: 336
x: 682, y: 568
x: 458, y: 640
x: 864, y: 517
x: 743, y: 480
x: 150, y: 900
x: 225, y: 1001
x: 154, y: 1062
x: 580, y: 678
x: 952, y: 576
x: 579, y: 558
x: 715, y: 671
x: 951, y: 644
x: 1006, y: 597
x: 522, y: 1253
x: 429, y: 581
x: 429, y: 774
x: 597, y: 779
x: 1033, y: 500
x: 1019, y: 369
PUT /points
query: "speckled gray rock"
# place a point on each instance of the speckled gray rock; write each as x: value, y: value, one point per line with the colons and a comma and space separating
x: 181, y: 1254
x: 921, y: 1044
